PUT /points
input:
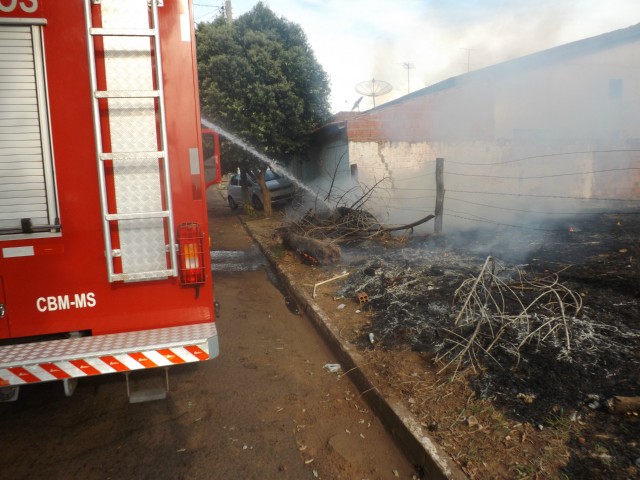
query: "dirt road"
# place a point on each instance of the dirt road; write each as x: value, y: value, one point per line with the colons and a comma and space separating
x: 266, y: 408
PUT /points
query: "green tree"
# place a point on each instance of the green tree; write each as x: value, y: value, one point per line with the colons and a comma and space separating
x: 260, y: 80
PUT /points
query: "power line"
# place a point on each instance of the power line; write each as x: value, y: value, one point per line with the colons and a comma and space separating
x: 535, y: 211
x: 430, y: 174
x: 393, y: 197
x: 545, y: 196
x: 568, y: 197
x: 493, y: 222
x: 541, y: 176
x: 404, y: 208
x: 547, y: 155
x: 210, y: 13
x: 508, y: 162
x: 213, y: 10
x: 565, y: 197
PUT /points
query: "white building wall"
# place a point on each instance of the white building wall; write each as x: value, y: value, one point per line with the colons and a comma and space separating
x: 484, y: 181
x: 526, y: 142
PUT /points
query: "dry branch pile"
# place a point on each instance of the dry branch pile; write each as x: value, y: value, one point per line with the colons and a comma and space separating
x: 520, y: 331
x: 340, y: 225
x: 315, y: 237
x: 510, y: 313
x: 345, y: 225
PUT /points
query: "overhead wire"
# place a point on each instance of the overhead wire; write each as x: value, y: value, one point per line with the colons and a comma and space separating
x: 535, y: 211
x: 493, y: 222
x: 546, y: 155
x: 540, y: 176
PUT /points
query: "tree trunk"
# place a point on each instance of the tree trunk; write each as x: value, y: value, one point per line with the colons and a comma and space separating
x: 246, y: 200
x: 266, y: 194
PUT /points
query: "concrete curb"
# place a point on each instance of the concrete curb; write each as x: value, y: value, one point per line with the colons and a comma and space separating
x: 408, y: 432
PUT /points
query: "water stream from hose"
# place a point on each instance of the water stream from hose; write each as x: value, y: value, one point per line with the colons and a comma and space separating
x: 260, y: 156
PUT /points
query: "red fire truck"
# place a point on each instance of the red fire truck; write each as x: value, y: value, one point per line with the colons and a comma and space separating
x: 104, y: 246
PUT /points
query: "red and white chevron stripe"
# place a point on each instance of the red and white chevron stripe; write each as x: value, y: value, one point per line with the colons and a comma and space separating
x: 33, y: 368
x: 84, y: 367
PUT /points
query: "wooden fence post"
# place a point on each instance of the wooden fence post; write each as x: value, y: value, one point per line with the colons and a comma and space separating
x: 439, y: 195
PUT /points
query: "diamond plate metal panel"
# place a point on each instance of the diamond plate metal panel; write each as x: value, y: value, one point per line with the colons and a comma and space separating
x: 133, y: 128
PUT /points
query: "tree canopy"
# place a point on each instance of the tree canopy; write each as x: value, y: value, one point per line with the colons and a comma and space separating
x: 260, y: 80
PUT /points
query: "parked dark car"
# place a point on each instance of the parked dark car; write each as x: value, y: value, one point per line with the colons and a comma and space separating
x: 282, y: 190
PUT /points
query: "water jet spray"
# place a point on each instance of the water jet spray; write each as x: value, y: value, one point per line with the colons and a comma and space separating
x: 260, y: 156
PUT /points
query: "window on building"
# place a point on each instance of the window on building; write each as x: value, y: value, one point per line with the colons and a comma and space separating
x: 354, y: 170
x: 615, y: 88
x: 27, y: 187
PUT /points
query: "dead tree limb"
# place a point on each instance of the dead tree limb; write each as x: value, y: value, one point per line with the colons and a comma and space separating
x: 409, y: 225
x: 333, y: 177
x: 549, y: 316
x: 358, y: 203
x: 623, y: 405
x: 316, y: 252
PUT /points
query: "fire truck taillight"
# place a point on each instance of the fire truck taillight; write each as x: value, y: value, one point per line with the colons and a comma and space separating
x: 191, y: 254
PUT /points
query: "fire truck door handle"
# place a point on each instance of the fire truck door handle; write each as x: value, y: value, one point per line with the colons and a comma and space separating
x: 1, y: 310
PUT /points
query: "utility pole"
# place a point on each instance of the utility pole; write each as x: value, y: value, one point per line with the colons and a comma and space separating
x: 439, y: 195
x: 468, y: 58
x: 227, y: 11
x: 408, y: 66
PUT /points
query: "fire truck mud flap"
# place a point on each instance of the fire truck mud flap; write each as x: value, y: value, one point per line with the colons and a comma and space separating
x: 9, y: 394
x: 69, y: 385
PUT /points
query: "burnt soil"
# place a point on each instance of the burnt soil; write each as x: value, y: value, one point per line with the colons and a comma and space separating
x: 528, y: 401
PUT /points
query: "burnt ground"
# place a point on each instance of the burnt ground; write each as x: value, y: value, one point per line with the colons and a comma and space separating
x: 536, y: 343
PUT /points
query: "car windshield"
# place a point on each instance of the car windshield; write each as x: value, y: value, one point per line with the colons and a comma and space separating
x: 270, y: 175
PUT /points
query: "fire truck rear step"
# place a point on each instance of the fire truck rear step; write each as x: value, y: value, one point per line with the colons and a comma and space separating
x: 79, y: 357
x: 146, y: 393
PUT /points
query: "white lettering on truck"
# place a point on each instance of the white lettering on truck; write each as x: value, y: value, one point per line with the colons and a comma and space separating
x: 66, y: 302
x: 27, y: 6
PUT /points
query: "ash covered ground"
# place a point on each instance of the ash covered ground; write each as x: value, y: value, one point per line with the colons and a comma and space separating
x: 548, y: 320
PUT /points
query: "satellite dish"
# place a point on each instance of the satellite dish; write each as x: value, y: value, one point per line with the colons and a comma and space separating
x: 373, y: 88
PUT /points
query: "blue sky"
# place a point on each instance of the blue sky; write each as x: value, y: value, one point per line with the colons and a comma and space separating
x: 357, y: 40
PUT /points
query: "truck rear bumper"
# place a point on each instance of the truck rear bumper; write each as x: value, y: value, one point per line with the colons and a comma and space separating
x: 121, y: 352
